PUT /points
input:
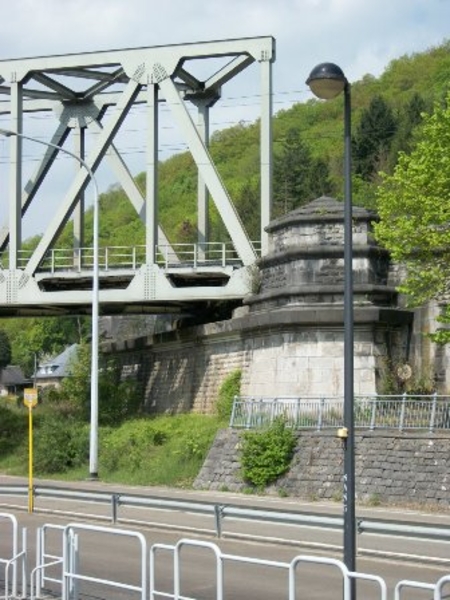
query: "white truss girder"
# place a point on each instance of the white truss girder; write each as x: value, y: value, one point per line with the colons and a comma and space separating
x: 80, y: 90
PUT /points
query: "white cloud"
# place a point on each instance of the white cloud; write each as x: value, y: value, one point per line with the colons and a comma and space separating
x: 362, y: 35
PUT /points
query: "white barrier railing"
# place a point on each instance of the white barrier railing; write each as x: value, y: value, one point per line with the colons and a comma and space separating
x: 146, y: 587
x: 46, y: 562
x: 71, y: 576
x: 14, y: 559
x: 221, y: 558
x: 415, y: 585
x: 438, y: 588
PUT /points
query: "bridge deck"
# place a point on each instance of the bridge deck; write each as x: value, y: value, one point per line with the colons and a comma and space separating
x: 184, y: 278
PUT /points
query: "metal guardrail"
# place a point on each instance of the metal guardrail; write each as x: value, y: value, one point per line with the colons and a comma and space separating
x: 220, y: 512
x: 429, y: 412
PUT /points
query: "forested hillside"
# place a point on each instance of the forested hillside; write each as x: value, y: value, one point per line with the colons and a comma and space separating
x: 308, y: 149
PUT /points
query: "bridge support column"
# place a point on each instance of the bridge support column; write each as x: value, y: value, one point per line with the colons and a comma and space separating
x: 266, y: 149
x: 15, y: 185
x: 78, y: 215
x: 151, y: 201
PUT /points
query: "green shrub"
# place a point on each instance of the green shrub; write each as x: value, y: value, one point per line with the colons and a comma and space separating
x: 59, y: 444
x: 230, y: 388
x: 13, y: 429
x: 265, y: 455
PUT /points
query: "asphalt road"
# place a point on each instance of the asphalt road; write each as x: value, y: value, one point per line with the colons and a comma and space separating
x: 103, y: 555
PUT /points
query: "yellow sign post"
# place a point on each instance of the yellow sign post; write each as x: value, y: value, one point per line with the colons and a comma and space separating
x: 30, y: 399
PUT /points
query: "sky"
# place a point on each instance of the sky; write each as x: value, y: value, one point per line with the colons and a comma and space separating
x: 362, y: 36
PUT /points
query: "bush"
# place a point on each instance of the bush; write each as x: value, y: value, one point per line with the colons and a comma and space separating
x: 230, y: 388
x: 265, y: 455
x: 13, y: 429
x: 60, y: 444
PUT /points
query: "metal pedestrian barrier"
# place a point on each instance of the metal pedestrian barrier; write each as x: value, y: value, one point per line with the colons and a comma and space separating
x: 347, y: 576
x: 71, y: 577
x: 71, y: 541
x: 49, y: 564
x: 436, y: 588
x: 221, y: 558
x: 16, y: 559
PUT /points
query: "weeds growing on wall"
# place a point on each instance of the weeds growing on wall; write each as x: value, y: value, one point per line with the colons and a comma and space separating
x: 230, y: 388
x: 267, y: 454
x: 419, y: 382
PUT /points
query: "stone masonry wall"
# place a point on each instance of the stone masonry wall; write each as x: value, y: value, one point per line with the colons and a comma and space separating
x: 183, y: 370
x: 391, y: 468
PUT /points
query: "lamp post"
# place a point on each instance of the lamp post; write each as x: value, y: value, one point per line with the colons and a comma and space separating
x: 93, y: 443
x: 327, y: 81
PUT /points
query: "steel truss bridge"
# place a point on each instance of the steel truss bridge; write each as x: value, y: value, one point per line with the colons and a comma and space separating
x: 89, y: 96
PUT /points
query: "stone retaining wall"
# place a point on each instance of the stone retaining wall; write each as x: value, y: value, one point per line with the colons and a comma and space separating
x: 281, y: 353
x: 390, y: 468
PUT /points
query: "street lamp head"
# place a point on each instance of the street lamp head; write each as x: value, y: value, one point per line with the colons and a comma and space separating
x: 326, y: 81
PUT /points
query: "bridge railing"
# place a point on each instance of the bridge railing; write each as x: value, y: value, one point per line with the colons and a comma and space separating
x: 370, y: 412
x: 81, y: 259
x: 195, y: 255
x: 190, y: 255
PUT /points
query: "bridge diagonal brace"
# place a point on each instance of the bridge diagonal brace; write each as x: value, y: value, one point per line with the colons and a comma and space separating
x: 82, y: 177
x: 103, y: 84
x: 233, y: 68
x: 206, y: 167
x: 129, y: 185
x: 64, y: 92
x: 33, y: 184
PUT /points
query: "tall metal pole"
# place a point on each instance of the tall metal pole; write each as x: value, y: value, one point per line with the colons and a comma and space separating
x: 93, y: 443
x: 349, y: 441
x: 327, y: 81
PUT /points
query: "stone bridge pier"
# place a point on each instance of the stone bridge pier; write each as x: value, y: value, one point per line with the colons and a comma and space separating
x: 288, y: 335
x: 297, y: 316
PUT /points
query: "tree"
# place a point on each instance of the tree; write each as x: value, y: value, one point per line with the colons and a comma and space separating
x: 409, y: 117
x: 5, y: 349
x: 250, y: 208
x: 298, y: 178
x: 119, y: 398
x: 414, y: 207
x: 42, y: 336
x: 373, y: 138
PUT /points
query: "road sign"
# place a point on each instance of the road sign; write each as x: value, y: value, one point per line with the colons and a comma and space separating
x: 30, y: 397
